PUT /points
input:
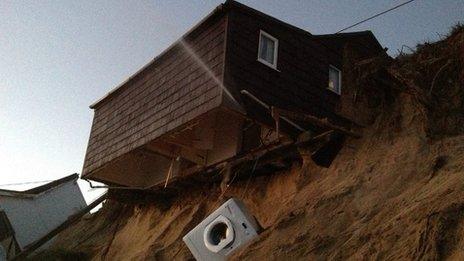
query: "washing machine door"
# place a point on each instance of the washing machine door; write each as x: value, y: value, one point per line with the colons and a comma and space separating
x: 218, y: 234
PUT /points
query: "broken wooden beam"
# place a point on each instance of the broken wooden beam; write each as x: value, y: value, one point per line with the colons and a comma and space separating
x: 307, y: 140
x: 168, y: 176
x: 322, y: 123
x: 265, y: 154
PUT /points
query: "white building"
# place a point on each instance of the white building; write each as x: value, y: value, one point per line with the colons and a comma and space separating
x: 26, y: 216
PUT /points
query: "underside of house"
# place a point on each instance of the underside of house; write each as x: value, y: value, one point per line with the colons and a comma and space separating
x: 206, y: 140
x: 207, y: 100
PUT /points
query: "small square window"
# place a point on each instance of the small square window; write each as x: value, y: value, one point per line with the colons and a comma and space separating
x: 335, y: 80
x: 267, y: 51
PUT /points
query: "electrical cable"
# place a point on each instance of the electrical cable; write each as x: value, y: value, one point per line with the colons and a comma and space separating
x: 25, y: 183
x: 374, y: 16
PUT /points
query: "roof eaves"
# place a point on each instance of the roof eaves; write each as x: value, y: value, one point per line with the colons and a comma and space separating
x: 30, y: 193
x: 266, y: 16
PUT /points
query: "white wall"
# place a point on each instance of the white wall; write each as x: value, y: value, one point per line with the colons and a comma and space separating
x: 32, y: 218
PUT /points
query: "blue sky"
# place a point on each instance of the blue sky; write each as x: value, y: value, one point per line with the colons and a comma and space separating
x: 57, y: 57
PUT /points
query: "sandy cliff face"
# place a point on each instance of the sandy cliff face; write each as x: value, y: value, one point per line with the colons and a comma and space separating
x: 396, y: 193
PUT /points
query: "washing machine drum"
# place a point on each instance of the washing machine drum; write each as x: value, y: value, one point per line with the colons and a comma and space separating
x: 218, y: 234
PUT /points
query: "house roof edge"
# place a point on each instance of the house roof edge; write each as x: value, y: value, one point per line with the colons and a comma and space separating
x: 40, y: 189
x: 215, y: 11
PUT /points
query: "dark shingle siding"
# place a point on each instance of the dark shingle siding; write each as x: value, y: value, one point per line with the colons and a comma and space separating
x: 169, y: 92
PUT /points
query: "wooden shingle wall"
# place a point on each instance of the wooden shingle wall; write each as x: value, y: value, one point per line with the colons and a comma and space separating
x: 302, y: 65
x: 301, y: 79
x: 360, y: 102
x: 172, y: 90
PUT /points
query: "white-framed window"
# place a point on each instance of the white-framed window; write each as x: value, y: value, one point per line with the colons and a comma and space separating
x: 268, y: 49
x: 335, y: 79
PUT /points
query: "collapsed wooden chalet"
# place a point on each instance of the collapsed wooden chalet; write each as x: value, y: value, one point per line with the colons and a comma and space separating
x: 27, y: 216
x: 208, y: 97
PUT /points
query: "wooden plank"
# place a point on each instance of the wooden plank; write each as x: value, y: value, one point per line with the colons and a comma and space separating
x: 323, y: 123
x: 267, y: 152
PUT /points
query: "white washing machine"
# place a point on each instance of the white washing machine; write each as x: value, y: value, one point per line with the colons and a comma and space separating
x: 223, y: 232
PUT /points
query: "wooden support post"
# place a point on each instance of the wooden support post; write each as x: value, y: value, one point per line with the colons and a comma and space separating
x: 168, y: 176
x: 274, y: 150
x: 275, y: 114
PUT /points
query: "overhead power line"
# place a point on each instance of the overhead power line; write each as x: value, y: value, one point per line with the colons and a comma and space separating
x: 374, y: 16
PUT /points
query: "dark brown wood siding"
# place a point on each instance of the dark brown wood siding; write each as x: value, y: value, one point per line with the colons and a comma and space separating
x: 300, y: 81
x: 172, y: 90
x: 359, y: 102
